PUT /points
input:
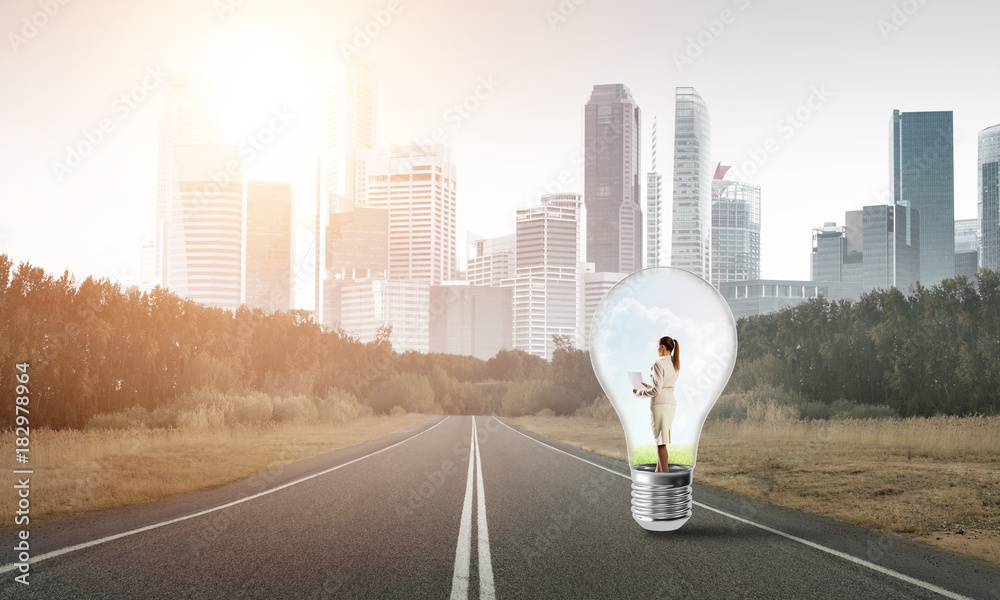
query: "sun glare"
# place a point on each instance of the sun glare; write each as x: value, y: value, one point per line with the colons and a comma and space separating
x: 256, y: 73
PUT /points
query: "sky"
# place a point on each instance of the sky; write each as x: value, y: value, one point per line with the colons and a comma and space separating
x: 89, y: 76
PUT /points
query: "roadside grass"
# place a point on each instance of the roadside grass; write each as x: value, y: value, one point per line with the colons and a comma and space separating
x: 936, y: 480
x: 76, y: 472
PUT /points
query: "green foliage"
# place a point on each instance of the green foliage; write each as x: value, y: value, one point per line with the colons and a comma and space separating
x: 409, y: 391
x: 770, y: 403
x: 925, y: 352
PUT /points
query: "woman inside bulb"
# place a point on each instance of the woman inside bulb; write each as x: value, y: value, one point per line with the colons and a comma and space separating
x: 662, y: 404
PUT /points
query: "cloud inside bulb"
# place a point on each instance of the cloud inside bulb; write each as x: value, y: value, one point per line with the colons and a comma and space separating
x: 626, y: 329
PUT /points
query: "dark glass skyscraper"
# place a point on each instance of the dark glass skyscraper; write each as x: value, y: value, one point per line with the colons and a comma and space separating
x: 989, y: 198
x: 611, y: 180
x: 892, y: 247
x: 923, y: 178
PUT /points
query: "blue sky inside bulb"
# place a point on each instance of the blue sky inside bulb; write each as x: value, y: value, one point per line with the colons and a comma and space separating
x: 627, y: 325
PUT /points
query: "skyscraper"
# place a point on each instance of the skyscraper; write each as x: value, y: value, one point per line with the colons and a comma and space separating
x: 369, y: 304
x: 147, y: 263
x: 352, y: 105
x: 735, y: 229
x: 357, y: 247
x: 989, y: 197
x: 418, y: 187
x: 470, y: 320
x: 190, y: 118
x: 654, y: 211
x: 351, y: 126
x: 493, y: 261
x: 892, y: 247
x: 827, y: 258
x: 269, y: 245
x: 205, y: 229
x: 546, y: 284
x: 691, y: 236
x: 611, y: 179
x: 967, y: 247
x: 854, y: 247
x: 923, y: 178
x: 595, y: 286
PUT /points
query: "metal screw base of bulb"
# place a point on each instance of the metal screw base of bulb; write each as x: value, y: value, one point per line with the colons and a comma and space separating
x: 661, y: 501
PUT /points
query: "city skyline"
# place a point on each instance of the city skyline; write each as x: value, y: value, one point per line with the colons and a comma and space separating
x: 113, y: 189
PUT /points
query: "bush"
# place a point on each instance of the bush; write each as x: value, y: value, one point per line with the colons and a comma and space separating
x: 815, y: 410
x: 254, y: 409
x: 397, y: 410
x: 545, y: 412
x: 340, y: 406
x: 410, y: 391
x: 847, y: 409
x: 761, y: 403
x: 294, y: 409
x: 601, y: 408
x: 135, y: 417
x: 522, y: 398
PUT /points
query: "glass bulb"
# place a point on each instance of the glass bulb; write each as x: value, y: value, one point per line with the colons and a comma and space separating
x: 625, y: 333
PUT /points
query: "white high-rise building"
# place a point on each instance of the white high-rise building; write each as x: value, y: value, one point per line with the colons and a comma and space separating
x: 190, y: 118
x: 368, y: 304
x: 205, y: 229
x: 691, y: 239
x: 147, y: 264
x: 351, y: 126
x: 418, y: 187
x: 595, y: 287
x: 547, y: 273
x: 654, y: 212
x: 493, y: 260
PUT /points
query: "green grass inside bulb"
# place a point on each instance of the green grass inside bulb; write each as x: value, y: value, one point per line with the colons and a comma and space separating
x: 680, y: 454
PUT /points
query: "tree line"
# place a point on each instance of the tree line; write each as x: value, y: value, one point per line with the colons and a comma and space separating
x: 95, y: 348
x: 929, y: 351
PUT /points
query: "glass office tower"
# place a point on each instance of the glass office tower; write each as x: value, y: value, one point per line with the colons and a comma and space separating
x: 923, y: 178
x: 735, y: 230
x: 611, y: 180
x: 691, y: 230
x: 989, y: 198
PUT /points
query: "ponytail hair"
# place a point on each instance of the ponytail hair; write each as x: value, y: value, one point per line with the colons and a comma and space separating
x: 674, y: 348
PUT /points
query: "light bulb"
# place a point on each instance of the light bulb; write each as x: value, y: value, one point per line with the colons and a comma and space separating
x: 625, y: 332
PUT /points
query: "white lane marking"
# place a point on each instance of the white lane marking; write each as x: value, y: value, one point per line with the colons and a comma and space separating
x: 463, y: 552
x: 68, y: 549
x: 486, y: 587
x: 927, y: 586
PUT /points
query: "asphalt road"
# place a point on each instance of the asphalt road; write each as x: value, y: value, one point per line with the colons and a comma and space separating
x: 446, y: 509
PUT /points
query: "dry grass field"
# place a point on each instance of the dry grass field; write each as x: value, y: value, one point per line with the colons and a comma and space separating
x: 81, y: 471
x: 935, y: 480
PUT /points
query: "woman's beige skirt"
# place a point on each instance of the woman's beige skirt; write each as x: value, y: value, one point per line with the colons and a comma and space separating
x: 662, y: 417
